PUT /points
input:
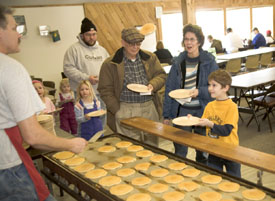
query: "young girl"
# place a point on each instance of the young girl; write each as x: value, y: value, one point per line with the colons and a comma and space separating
x: 39, y: 87
x: 86, y: 103
x: 66, y: 100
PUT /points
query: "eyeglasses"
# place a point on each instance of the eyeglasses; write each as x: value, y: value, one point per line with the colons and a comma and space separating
x: 192, y: 40
x: 135, y: 44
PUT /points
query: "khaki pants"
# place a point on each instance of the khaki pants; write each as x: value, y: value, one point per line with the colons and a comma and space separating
x: 128, y: 110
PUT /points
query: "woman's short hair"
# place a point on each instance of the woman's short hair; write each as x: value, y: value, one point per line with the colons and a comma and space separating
x: 196, y: 30
x: 160, y: 45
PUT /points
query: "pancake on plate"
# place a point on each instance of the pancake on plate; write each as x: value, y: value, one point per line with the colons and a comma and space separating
x: 144, y: 153
x: 125, y: 172
x: 191, y: 172
x: 158, y: 158
x: 160, y: 172
x: 63, y: 155
x: 95, y: 174
x: 123, y: 144
x: 109, y: 181
x: 134, y: 148
x: 188, y: 186
x: 74, y: 161
x: 126, y: 159
x: 173, y: 179
x: 158, y: 188
x: 253, y: 194
x: 141, y: 181
x: 121, y: 189
x: 173, y: 196
x: 106, y: 149
x: 210, y: 196
x: 229, y: 187
x: 139, y: 197
x: 112, y: 165
x: 211, y: 179
x: 142, y: 166
x: 84, y: 167
x: 177, y: 166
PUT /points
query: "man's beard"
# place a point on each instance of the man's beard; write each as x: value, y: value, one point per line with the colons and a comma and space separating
x: 89, y: 43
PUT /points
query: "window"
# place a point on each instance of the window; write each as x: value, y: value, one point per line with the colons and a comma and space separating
x: 212, y: 23
x: 172, y: 32
x: 260, y: 15
x: 239, y: 21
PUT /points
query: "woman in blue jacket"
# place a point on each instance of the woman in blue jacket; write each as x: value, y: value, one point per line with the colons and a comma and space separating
x: 190, y: 70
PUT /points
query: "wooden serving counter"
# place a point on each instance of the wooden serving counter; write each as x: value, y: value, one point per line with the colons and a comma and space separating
x: 243, y: 155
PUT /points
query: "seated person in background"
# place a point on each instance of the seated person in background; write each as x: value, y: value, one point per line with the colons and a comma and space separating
x: 39, y: 87
x: 86, y: 103
x: 220, y: 118
x: 269, y: 39
x: 163, y: 55
x: 217, y: 44
x: 232, y: 41
x: 66, y: 100
x: 259, y: 39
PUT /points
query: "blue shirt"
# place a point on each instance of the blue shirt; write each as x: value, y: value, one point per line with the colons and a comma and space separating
x: 258, y: 41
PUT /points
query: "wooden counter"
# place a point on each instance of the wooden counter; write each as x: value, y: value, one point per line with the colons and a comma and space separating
x: 243, y: 155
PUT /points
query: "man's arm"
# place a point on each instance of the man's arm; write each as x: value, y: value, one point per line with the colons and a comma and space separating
x: 36, y: 136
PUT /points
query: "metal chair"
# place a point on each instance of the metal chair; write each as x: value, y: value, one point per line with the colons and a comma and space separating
x: 233, y: 66
x: 266, y: 102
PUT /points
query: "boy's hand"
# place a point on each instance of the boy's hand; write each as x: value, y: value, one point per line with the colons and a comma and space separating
x: 166, y: 121
x: 206, y: 122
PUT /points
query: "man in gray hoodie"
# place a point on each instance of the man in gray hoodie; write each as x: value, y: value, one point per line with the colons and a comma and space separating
x: 83, y: 59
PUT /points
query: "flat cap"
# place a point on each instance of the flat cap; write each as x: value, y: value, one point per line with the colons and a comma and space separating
x: 132, y: 35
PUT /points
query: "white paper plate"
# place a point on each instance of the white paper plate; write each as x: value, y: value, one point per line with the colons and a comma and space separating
x: 180, y: 93
x: 140, y: 88
x: 186, y: 121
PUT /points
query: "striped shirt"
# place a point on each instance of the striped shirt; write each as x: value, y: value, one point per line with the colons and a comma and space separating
x: 190, y: 79
x: 134, y: 73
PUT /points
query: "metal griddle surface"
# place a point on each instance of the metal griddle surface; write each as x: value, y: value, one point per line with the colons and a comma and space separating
x: 99, y: 159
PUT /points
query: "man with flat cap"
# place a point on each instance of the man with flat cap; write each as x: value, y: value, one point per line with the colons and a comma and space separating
x: 131, y: 65
x: 82, y: 61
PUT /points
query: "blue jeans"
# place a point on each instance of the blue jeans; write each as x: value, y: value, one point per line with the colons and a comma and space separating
x: 16, y: 185
x: 231, y: 167
x: 182, y: 150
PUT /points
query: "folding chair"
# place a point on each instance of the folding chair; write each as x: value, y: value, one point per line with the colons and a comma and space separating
x: 233, y: 66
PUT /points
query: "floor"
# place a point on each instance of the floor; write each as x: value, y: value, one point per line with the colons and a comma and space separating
x: 263, y: 141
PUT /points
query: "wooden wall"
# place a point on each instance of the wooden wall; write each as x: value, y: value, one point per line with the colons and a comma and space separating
x: 111, y: 18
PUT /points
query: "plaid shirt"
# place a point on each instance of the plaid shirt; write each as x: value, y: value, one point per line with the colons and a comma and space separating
x: 134, y: 73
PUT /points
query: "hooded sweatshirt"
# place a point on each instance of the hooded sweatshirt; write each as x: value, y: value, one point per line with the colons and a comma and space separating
x: 81, y: 61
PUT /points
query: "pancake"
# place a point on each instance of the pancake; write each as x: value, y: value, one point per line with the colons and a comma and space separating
x: 211, y: 179
x: 173, y: 179
x: 125, y: 172
x: 85, y: 167
x: 121, y: 189
x: 229, y: 187
x: 134, y: 148
x: 109, y: 181
x: 123, y: 144
x: 139, y: 197
x: 141, y: 181
x: 74, y: 161
x: 188, y: 186
x: 160, y: 172
x: 63, y: 155
x: 191, y: 172
x: 142, y: 166
x: 177, y: 166
x: 158, y: 188
x: 253, y: 194
x: 144, y: 153
x: 106, y: 149
x: 158, y: 158
x: 210, y: 196
x: 112, y: 165
x: 173, y: 196
x: 126, y: 159
x: 95, y: 174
